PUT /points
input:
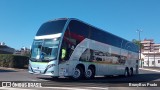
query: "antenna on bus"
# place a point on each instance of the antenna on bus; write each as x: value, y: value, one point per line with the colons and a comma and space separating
x: 61, y: 18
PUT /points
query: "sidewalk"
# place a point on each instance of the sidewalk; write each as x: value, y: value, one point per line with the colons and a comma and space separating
x: 156, y: 69
x: 152, y: 68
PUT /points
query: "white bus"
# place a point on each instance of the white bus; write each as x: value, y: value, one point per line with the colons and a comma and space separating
x: 72, y: 48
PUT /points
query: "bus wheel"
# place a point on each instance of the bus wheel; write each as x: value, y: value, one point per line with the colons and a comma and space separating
x: 54, y: 77
x: 90, y: 73
x: 78, y: 73
x: 131, y: 71
x: 126, y: 73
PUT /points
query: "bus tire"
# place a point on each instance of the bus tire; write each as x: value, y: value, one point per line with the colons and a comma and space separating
x: 131, y: 71
x: 54, y: 77
x: 78, y: 73
x: 126, y: 73
x: 90, y: 73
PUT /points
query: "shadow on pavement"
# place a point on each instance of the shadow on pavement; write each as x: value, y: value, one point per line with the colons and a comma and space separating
x: 114, y: 79
x: 5, y: 70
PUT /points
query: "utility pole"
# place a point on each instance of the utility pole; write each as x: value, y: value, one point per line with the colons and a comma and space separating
x: 139, y: 36
x: 154, y: 55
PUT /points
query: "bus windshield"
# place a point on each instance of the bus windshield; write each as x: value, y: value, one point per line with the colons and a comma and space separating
x: 44, y: 50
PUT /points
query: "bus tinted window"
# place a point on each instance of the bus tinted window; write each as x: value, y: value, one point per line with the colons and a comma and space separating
x: 79, y: 28
x: 74, y: 34
x: 105, y: 37
x: 51, y: 27
x: 97, y: 35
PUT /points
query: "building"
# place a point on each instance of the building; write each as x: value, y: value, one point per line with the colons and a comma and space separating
x: 23, y: 51
x: 4, y: 49
x: 150, y: 53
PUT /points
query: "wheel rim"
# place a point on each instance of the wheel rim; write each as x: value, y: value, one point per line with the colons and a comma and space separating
x: 89, y: 73
x: 126, y: 73
x: 77, y: 73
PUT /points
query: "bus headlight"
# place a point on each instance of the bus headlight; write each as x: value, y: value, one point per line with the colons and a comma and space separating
x: 51, y: 65
x: 52, y: 72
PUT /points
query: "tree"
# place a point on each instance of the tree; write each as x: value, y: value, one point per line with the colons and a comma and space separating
x: 137, y: 42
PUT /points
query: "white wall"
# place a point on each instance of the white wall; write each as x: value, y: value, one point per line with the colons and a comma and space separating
x: 151, y: 59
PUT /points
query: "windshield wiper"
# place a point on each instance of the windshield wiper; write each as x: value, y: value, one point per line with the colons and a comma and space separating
x: 47, y: 60
x: 33, y: 59
x: 41, y: 60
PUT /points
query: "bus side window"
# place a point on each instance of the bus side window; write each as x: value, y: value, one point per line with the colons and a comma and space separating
x: 64, y: 54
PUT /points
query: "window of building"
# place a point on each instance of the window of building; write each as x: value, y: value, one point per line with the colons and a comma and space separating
x: 158, y: 61
x: 153, y: 62
x: 146, y: 62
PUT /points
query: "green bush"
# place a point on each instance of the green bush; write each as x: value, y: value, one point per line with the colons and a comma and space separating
x: 14, y: 61
x: 20, y: 61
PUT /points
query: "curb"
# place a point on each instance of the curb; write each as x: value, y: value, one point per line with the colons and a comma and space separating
x: 16, y: 69
x: 155, y: 70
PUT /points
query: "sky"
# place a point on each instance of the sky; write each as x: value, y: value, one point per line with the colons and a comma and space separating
x: 20, y: 19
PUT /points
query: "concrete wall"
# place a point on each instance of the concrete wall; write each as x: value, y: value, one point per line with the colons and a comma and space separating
x: 151, y: 59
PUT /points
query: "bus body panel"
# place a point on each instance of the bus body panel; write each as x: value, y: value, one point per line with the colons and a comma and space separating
x: 109, y: 65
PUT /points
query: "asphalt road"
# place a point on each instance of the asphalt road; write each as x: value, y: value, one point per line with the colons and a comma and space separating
x: 99, y: 83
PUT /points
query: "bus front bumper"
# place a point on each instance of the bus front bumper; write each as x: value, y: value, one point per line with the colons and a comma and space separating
x: 43, y: 69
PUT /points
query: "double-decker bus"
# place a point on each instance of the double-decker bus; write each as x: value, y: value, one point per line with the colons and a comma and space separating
x: 72, y: 48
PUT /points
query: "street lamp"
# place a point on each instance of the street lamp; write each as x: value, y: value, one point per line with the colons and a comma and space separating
x: 139, y: 35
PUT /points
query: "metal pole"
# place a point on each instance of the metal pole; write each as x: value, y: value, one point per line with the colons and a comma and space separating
x: 139, y: 35
x: 154, y: 57
x: 148, y: 58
